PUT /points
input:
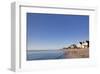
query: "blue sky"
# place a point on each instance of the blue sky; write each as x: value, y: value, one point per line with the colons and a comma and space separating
x: 53, y: 31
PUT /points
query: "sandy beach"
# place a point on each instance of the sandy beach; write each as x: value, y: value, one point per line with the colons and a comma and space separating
x: 76, y: 53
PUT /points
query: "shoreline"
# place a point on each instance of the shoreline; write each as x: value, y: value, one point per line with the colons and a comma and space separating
x: 67, y: 53
x: 76, y: 53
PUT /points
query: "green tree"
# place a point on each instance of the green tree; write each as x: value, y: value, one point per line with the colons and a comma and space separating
x: 87, y: 42
x: 74, y: 45
x: 81, y: 44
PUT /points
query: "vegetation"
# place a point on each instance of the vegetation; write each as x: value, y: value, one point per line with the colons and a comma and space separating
x: 87, y: 42
x: 84, y: 44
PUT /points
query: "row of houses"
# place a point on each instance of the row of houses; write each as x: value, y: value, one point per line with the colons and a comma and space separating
x: 84, y: 44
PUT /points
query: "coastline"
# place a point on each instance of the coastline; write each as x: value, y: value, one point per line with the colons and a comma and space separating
x: 76, y: 53
x: 58, y: 54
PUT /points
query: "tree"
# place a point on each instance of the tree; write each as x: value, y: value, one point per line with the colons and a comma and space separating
x: 81, y: 44
x: 74, y: 46
x: 87, y: 42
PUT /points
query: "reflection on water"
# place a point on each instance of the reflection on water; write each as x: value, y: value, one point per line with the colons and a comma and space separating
x: 44, y: 54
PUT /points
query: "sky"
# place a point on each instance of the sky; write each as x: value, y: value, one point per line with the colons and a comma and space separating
x: 55, y: 31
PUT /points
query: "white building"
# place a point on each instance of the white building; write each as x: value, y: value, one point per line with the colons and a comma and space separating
x: 83, y: 45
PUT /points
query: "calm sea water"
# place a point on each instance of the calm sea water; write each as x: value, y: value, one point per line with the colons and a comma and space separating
x: 44, y: 54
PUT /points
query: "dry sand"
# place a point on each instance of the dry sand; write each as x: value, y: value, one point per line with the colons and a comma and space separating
x: 77, y: 53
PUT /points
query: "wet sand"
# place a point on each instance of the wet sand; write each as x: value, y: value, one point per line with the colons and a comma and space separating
x: 76, y: 53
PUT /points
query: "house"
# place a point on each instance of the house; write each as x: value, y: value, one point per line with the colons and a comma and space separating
x: 84, y: 44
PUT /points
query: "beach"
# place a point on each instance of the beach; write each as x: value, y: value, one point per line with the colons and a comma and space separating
x: 58, y: 54
x: 76, y: 53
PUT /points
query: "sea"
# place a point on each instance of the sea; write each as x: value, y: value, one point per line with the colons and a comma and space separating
x: 44, y: 54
